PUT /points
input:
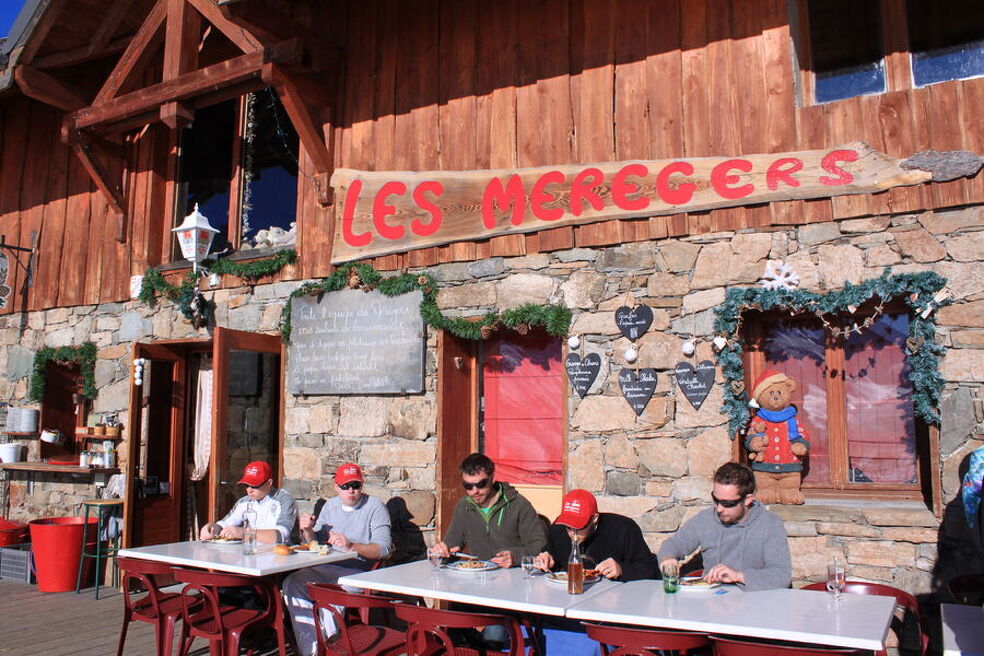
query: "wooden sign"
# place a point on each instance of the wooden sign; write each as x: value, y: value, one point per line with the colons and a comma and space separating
x: 634, y: 321
x: 695, y: 383
x: 582, y: 373
x: 393, y: 211
x: 637, y: 387
x: 353, y: 342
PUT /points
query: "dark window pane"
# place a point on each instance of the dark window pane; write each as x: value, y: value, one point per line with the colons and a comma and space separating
x: 946, y: 40
x: 205, y: 168
x: 846, y: 54
x: 881, y: 428
x: 270, y: 165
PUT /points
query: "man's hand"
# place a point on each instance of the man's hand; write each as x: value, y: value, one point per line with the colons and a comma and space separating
x: 723, y: 574
x: 306, y: 522
x: 609, y: 568
x: 339, y: 541
x: 232, y: 533
x: 442, y: 548
x: 544, y: 561
x: 209, y: 531
x: 503, y: 559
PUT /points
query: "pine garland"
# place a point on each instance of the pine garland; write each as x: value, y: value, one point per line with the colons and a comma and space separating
x: 84, y: 356
x: 916, y: 289
x: 555, y: 319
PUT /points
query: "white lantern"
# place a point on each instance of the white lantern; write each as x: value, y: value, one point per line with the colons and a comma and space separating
x: 195, y: 236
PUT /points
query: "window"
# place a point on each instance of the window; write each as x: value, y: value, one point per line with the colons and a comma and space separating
x: 946, y: 40
x: 238, y: 163
x: 853, y: 395
x: 523, y: 407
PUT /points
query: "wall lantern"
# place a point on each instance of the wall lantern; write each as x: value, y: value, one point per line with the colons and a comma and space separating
x: 195, y: 236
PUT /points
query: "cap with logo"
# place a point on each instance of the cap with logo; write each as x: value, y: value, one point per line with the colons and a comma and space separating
x: 578, y: 509
x: 347, y: 473
x: 257, y: 473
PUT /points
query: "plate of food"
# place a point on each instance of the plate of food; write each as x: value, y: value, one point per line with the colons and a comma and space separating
x: 472, y: 565
x: 223, y: 541
x: 697, y: 584
x: 560, y: 578
x: 312, y: 547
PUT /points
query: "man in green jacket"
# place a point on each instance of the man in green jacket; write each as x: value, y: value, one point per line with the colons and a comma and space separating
x: 492, y: 521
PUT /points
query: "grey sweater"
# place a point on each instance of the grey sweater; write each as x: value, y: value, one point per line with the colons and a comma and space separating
x: 756, y: 546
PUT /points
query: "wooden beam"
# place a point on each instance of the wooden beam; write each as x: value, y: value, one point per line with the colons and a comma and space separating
x: 47, y: 89
x: 182, y: 27
x: 184, y: 87
x: 135, y: 53
x: 269, y: 24
x: 107, y: 27
x: 176, y: 115
x: 80, y: 55
x: 40, y: 31
x: 99, y: 174
x: 235, y: 33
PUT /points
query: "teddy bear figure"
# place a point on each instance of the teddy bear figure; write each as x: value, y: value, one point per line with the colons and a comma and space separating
x: 776, y: 441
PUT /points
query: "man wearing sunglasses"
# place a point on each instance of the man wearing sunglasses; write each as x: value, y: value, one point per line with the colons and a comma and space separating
x: 740, y: 541
x: 350, y: 521
x: 493, y: 521
x: 276, y: 512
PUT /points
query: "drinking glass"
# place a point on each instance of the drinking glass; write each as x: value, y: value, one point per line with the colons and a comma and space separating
x: 435, y: 558
x: 671, y: 576
x: 836, y: 579
x: 528, y: 567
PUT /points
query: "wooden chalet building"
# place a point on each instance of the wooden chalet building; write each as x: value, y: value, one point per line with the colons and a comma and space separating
x: 603, y: 165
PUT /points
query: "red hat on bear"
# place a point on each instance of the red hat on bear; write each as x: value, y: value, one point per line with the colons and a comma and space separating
x: 768, y: 377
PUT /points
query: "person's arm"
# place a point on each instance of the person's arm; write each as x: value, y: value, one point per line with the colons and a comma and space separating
x: 234, y: 519
x: 455, y: 535
x: 639, y: 562
x: 286, y: 519
x: 681, y: 543
x: 532, y: 531
x: 380, y: 539
x: 778, y: 569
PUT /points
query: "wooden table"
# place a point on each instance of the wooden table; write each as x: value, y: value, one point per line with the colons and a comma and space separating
x: 500, y: 588
x: 807, y: 616
x: 963, y: 630
x: 230, y: 557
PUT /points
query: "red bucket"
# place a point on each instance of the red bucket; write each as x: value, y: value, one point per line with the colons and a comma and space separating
x: 12, y: 532
x: 57, y: 546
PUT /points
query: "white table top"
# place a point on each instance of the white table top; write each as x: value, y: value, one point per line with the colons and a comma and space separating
x: 501, y: 588
x: 858, y: 621
x: 230, y: 558
x: 963, y: 630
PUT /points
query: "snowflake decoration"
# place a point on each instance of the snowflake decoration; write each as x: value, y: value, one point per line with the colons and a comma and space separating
x: 779, y: 275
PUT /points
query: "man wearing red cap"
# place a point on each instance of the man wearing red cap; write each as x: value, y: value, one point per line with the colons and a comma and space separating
x: 276, y: 512
x: 351, y: 521
x: 610, y: 543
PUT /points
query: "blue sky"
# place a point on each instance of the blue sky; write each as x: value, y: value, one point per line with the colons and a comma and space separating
x: 8, y: 12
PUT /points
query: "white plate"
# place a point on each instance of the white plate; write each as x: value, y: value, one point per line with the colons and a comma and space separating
x: 560, y: 578
x: 223, y: 543
x: 696, y: 588
x: 468, y: 566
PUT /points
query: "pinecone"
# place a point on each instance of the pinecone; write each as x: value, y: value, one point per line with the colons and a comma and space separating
x: 353, y: 278
x: 523, y: 328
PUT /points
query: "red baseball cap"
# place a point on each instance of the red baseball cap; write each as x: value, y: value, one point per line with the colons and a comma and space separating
x: 348, y: 472
x: 257, y: 473
x: 578, y: 509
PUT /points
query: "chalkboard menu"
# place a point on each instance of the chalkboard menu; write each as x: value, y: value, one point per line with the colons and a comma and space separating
x: 353, y: 342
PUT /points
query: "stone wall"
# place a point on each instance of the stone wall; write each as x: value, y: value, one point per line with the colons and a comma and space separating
x: 655, y: 468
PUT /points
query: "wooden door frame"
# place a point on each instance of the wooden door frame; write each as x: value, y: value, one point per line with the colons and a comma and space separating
x: 452, y: 446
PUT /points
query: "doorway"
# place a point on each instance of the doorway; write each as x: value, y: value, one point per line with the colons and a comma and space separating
x: 202, y: 410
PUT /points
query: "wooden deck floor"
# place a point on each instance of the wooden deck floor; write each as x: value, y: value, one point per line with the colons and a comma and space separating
x: 33, y: 623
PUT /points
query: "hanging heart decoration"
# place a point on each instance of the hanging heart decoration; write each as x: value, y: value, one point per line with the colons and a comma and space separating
x: 737, y: 387
x: 695, y: 382
x: 914, y: 344
x: 634, y: 321
x: 637, y: 387
x: 582, y: 373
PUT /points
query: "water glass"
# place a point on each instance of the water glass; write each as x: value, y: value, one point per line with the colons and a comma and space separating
x: 529, y: 567
x: 435, y: 558
x: 671, y: 576
x: 836, y: 579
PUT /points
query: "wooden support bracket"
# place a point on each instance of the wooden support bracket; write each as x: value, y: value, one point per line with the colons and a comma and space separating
x: 97, y: 157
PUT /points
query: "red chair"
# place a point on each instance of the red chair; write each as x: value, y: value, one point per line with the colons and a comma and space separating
x: 643, y: 642
x: 903, y: 600
x: 356, y: 637
x: 427, y: 633
x: 967, y: 589
x: 162, y: 609
x: 223, y: 626
x: 738, y: 647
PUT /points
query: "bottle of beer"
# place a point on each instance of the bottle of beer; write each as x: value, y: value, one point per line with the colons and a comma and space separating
x: 575, y: 568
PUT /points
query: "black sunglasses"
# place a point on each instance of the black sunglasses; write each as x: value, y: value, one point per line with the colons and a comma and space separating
x: 727, y: 503
x: 481, y: 485
x: 351, y: 485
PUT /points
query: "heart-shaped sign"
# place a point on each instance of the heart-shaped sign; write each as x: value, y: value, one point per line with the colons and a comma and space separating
x: 637, y: 387
x: 737, y: 387
x: 695, y: 383
x: 914, y: 344
x: 582, y: 373
x: 634, y: 321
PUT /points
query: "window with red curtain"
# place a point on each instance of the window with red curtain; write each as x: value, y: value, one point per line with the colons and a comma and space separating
x: 523, y: 398
x: 853, y: 395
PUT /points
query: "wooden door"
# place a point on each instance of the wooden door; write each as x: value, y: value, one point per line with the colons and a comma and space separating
x: 247, y: 402
x: 457, y: 436
x: 154, y: 476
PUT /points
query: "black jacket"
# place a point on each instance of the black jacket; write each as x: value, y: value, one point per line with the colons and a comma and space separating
x: 615, y: 537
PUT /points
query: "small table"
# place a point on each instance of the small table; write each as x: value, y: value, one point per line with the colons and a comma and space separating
x: 230, y: 557
x: 963, y: 630
x: 500, y: 588
x: 807, y: 616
